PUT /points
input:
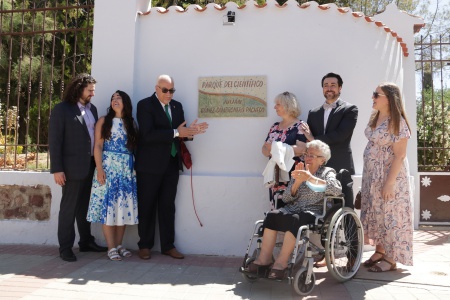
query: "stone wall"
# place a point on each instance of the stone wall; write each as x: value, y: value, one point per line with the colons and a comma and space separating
x: 25, y: 202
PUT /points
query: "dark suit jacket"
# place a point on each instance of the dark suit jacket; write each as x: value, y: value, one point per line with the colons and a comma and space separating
x: 338, y: 134
x: 156, y: 135
x: 70, y: 143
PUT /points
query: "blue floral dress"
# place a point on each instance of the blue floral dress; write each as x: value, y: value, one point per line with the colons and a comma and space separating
x: 115, y: 202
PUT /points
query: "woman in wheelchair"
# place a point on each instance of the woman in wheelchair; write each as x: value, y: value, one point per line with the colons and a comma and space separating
x: 303, y: 197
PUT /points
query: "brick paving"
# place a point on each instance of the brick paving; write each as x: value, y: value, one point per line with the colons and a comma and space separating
x: 37, y: 272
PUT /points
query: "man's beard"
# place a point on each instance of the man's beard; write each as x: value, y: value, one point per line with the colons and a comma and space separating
x: 331, y: 95
x: 87, y: 100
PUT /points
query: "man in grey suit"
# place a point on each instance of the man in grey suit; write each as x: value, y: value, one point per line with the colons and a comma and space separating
x: 71, y: 139
x: 333, y: 123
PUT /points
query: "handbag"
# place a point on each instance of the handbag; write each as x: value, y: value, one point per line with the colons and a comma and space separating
x: 357, y: 203
x: 185, y: 155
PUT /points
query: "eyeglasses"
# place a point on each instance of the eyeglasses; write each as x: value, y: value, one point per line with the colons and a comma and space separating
x: 165, y: 90
x: 307, y: 155
x: 376, y: 94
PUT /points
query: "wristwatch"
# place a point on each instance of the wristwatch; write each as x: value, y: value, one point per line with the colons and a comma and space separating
x: 177, y: 134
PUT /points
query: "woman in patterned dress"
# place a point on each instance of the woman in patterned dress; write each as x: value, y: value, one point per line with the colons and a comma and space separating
x: 302, y: 199
x: 386, y: 211
x: 287, y: 131
x: 113, y: 196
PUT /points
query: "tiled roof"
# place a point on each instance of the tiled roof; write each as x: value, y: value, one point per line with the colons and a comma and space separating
x: 306, y: 5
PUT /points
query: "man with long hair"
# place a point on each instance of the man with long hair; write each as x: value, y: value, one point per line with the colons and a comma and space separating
x: 71, y: 139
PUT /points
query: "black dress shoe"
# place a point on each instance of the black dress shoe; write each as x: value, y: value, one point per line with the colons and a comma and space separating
x: 68, y: 255
x: 92, y: 247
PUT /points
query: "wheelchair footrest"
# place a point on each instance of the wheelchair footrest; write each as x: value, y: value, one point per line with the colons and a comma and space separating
x: 262, y: 272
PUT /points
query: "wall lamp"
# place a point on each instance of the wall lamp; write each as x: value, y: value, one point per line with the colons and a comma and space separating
x: 229, y: 18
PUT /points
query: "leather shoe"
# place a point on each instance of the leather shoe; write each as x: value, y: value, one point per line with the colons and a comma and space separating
x: 68, y: 255
x: 92, y: 247
x: 144, y: 253
x: 174, y: 253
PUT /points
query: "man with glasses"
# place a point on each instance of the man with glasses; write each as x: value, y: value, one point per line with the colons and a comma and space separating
x: 158, y: 162
x: 333, y: 122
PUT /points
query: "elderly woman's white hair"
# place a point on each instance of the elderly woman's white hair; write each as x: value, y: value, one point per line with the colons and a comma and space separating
x: 322, y: 147
x: 289, y: 102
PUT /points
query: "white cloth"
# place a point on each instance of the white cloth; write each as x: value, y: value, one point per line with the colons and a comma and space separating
x: 327, y: 110
x: 326, y: 115
x: 282, y: 155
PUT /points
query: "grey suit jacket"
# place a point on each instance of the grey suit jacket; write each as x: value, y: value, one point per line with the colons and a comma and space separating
x: 69, y: 140
x: 338, y: 134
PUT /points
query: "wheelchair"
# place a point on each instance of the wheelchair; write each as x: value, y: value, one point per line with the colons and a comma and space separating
x: 336, y: 235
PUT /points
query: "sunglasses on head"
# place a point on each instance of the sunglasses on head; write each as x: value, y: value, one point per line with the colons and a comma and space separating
x: 165, y: 90
x: 376, y: 95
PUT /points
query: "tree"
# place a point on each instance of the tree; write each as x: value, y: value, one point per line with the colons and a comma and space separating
x: 433, y: 130
x: 40, y: 51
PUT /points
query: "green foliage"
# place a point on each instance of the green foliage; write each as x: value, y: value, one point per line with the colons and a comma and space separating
x: 9, y: 125
x: 36, y: 65
x: 39, y: 122
x: 10, y: 117
x: 10, y: 150
x: 372, y: 7
x: 433, y: 129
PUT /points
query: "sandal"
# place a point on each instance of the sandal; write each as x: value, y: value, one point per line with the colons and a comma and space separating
x: 113, y: 254
x: 377, y: 268
x: 369, y: 263
x: 277, y: 274
x: 320, y: 264
x: 124, y: 252
x: 256, y: 269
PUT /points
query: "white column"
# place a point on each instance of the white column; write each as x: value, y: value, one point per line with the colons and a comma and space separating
x: 113, y: 57
x: 114, y: 48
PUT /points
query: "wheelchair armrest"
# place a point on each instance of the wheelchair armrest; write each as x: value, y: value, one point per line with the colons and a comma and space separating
x: 325, y: 202
x: 341, y: 198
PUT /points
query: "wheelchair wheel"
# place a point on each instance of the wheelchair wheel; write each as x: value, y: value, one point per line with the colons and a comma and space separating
x: 326, y: 223
x: 300, y: 286
x: 249, y: 277
x: 344, y: 244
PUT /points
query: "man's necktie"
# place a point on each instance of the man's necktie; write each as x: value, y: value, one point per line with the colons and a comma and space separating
x: 173, y: 152
x: 327, y: 106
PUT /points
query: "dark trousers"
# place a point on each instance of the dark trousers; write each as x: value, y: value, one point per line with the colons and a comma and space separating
x: 74, y: 206
x: 279, y: 221
x: 156, y: 194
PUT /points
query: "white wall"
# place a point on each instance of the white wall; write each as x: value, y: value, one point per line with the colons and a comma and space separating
x: 292, y: 46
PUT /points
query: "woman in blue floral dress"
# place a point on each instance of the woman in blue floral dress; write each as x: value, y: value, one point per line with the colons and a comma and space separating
x: 288, y: 131
x: 113, y: 196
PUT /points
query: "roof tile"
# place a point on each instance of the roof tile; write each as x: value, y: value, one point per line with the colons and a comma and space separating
x: 306, y: 5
